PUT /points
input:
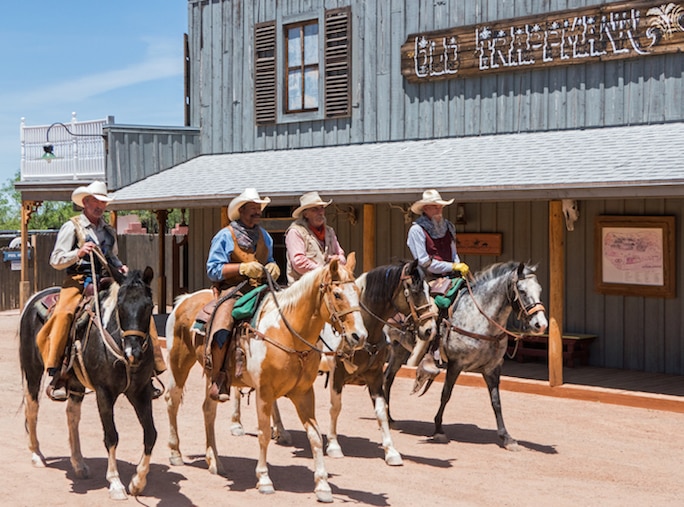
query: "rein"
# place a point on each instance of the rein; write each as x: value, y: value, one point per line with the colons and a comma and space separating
x: 529, y: 311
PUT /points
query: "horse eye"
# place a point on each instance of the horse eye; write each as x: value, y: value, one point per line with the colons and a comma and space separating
x: 337, y: 295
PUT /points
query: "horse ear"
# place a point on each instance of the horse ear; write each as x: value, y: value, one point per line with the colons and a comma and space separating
x: 521, y: 270
x: 148, y: 274
x: 351, y: 261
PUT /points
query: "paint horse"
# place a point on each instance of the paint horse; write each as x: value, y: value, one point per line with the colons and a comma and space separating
x: 280, y: 359
x: 474, y: 337
x: 385, y: 290
x: 113, y: 355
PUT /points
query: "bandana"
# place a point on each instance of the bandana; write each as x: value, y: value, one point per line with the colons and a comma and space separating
x: 436, y: 230
x: 246, y: 237
x: 319, y: 232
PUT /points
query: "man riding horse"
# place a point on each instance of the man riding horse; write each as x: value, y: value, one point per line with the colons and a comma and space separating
x: 77, y: 241
x: 432, y: 241
x: 239, y: 252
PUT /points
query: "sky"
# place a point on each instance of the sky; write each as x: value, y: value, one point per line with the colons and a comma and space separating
x: 121, y: 58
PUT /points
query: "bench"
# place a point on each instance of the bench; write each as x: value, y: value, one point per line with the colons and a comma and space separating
x: 575, y: 347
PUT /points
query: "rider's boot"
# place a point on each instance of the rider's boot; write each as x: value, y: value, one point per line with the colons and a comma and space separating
x: 57, y: 388
x: 219, y: 390
x: 159, y: 363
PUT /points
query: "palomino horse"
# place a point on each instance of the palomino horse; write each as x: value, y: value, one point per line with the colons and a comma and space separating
x: 474, y: 337
x: 280, y: 358
x: 385, y: 291
x: 113, y: 356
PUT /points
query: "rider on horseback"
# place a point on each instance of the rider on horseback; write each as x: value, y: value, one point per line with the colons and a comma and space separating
x: 309, y: 241
x: 239, y: 252
x: 76, y: 240
x: 432, y: 241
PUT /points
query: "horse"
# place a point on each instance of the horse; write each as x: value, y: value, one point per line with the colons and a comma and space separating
x: 385, y: 290
x: 112, y: 356
x: 474, y: 338
x: 280, y: 359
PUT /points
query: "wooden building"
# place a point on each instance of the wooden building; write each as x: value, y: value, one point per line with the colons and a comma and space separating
x: 508, y: 107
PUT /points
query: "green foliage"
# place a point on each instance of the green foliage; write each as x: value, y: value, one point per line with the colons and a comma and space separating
x: 10, y: 205
x: 148, y: 219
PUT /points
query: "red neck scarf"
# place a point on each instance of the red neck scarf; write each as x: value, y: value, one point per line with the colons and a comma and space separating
x: 319, y: 232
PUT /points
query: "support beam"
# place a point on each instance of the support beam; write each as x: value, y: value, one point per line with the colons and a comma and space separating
x: 556, y: 291
x: 368, y: 237
x: 162, y: 215
x: 27, y: 209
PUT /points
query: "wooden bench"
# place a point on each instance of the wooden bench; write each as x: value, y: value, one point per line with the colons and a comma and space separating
x: 575, y: 347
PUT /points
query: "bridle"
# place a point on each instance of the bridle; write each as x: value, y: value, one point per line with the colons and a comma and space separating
x: 527, y: 311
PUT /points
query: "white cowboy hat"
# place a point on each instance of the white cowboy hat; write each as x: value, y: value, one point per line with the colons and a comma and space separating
x: 429, y: 197
x: 249, y: 195
x: 309, y: 200
x: 97, y: 189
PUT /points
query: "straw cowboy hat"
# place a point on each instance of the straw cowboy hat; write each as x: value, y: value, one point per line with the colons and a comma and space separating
x: 309, y: 200
x: 97, y: 189
x: 429, y: 197
x: 249, y: 195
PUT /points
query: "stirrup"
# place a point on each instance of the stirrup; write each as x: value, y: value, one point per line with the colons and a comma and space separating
x: 57, y: 392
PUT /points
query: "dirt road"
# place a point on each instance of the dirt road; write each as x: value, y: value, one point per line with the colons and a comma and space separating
x: 573, y: 452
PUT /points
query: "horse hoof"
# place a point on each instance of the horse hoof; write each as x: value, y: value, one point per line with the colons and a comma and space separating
x: 176, y: 460
x: 136, y: 486
x: 334, y: 452
x: 324, y: 496
x: 284, y: 439
x: 440, y: 438
x: 512, y: 445
x: 117, y: 492
x: 237, y: 430
x: 393, y: 459
x: 266, y: 489
x: 38, y: 460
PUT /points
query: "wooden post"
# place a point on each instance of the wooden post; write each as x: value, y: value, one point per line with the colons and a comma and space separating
x: 162, y: 215
x: 368, y: 237
x: 556, y: 292
x: 27, y: 209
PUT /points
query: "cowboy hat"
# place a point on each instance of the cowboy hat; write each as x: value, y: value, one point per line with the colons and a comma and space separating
x: 97, y: 189
x: 309, y: 200
x: 429, y: 197
x: 249, y: 195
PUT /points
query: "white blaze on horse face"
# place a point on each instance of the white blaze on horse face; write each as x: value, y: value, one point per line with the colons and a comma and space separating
x: 532, y: 288
x: 351, y: 293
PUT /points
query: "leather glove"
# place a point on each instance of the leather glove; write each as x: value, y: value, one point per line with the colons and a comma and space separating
x: 252, y: 269
x: 462, y: 267
x: 273, y: 270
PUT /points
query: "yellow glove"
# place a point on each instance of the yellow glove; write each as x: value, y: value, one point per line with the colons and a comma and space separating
x: 273, y: 270
x: 462, y: 267
x: 252, y: 269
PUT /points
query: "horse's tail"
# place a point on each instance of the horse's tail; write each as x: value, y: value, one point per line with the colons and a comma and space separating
x: 30, y: 360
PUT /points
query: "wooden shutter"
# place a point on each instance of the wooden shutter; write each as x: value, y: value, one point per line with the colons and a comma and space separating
x: 338, y: 63
x: 265, y: 73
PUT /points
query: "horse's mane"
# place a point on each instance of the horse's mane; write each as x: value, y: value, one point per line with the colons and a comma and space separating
x: 500, y: 269
x: 290, y: 296
x: 381, y: 282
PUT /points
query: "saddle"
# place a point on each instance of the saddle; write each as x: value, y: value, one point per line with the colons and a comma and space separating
x: 445, y: 291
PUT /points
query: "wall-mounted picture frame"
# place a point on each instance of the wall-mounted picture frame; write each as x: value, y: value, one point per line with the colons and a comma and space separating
x: 635, y: 256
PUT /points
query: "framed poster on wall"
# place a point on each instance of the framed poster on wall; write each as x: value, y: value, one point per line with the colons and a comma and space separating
x: 635, y: 256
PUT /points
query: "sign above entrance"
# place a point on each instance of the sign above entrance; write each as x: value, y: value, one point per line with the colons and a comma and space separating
x: 591, y: 34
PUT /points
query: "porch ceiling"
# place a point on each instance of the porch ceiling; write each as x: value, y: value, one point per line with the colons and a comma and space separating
x: 610, y: 162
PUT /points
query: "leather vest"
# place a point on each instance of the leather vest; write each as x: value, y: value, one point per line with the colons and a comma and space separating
x: 440, y: 248
x: 239, y: 255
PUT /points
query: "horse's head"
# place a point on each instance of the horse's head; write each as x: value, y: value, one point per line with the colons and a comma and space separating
x: 412, y: 298
x: 134, y: 308
x: 341, y: 302
x: 527, y: 299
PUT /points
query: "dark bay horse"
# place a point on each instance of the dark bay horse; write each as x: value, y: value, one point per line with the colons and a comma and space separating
x: 113, y: 356
x: 280, y: 359
x: 385, y: 290
x: 474, y: 337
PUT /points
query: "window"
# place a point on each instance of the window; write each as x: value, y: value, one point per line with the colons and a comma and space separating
x: 302, y: 67
x: 311, y: 74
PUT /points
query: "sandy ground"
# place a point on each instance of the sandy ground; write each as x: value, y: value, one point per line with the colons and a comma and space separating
x: 572, y: 452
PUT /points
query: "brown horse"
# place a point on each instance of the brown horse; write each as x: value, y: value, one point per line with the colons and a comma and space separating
x: 280, y: 358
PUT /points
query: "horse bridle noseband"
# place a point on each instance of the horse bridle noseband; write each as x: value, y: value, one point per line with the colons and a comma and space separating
x: 419, y: 314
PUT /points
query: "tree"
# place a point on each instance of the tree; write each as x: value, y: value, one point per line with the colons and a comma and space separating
x: 10, y: 205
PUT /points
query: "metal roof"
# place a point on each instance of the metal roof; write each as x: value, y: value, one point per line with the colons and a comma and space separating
x: 609, y: 162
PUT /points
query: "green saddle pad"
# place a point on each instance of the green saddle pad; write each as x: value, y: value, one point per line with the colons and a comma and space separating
x: 247, y: 304
x: 445, y: 301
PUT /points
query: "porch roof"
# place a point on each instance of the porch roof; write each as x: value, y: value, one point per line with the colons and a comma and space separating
x: 597, y: 163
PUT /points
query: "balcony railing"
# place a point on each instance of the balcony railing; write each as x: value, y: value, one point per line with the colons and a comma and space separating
x: 79, y: 151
